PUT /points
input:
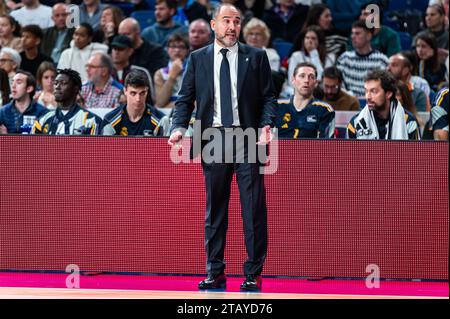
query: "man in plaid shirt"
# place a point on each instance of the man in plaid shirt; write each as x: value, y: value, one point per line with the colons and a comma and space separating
x: 101, y: 91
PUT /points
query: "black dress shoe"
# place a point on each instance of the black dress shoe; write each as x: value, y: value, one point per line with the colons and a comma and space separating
x: 213, y: 282
x: 252, y: 283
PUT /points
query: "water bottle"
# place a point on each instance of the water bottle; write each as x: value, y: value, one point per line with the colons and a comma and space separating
x: 27, y: 124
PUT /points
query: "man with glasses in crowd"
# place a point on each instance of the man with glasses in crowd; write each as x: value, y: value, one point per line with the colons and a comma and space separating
x: 333, y: 93
x: 101, y: 90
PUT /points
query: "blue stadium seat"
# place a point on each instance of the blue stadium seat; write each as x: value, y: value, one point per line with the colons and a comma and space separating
x: 127, y: 7
x: 399, y: 5
x: 420, y: 5
x: 151, y: 4
x: 392, y: 23
x: 283, y: 48
x: 144, y: 17
x: 405, y: 40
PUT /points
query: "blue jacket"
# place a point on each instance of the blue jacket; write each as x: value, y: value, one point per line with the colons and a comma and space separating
x: 13, y: 119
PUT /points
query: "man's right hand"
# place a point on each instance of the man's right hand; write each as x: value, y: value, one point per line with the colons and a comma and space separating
x: 175, y: 138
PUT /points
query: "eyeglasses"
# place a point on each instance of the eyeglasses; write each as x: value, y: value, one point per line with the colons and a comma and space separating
x: 180, y: 47
x: 90, y: 66
x: 6, y: 60
x: 330, y: 87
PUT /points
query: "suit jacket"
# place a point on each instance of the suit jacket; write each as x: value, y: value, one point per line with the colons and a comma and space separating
x: 255, y: 90
x: 49, y: 40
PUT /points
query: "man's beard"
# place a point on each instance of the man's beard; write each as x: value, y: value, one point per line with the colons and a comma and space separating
x: 221, y: 40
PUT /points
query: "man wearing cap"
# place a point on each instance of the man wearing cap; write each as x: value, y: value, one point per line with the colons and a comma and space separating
x: 122, y: 50
x: 101, y: 90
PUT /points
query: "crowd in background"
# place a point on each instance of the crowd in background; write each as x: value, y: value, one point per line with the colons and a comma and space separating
x: 339, y: 49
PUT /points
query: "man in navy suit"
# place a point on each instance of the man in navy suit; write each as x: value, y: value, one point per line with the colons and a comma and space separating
x: 232, y: 86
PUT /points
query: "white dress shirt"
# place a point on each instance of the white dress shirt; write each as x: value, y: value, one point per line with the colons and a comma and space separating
x: 232, y: 57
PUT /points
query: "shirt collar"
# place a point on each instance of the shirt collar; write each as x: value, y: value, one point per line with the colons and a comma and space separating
x: 217, y: 48
x: 105, y: 88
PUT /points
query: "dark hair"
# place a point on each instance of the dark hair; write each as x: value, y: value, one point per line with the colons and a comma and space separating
x: 137, y: 78
x: 430, y: 39
x: 14, y: 24
x: 313, y: 16
x: 178, y: 37
x: 5, y: 90
x: 305, y: 64
x: 44, y: 67
x: 407, y: 100
x: 332, y: 72
x: 300, y: 42
x: 73, y: 75
x: 34, y: 29
x: 439, y: 7
x: 31, y: 80
x: 412, y: 58
x: 388, y: 82
x: 88, y: 27
x: 362, y: 24
x: 220, y: 6
x: 172, y: 4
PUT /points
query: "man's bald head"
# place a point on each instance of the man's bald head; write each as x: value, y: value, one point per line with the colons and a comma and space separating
x: 59, y: 15
x: 130, y: 27
x: 199, y: 33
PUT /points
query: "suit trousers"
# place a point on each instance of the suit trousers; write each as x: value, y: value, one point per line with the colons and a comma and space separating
x: 218, y: 176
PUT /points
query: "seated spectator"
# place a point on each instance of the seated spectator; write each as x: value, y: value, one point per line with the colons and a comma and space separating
x: 45, y: 77
x: 304, y: 116
x: 57, y: 38
x: 311, y: 49
x: 18, y: 116
x: 383, y: 117
x: 122, y: 50
x: 190, y: 10
x: 10, y: 62
x: 417, y: 81
x: 135, y: 117
x: 81, y: 49
x: 435, y: 22
x: 257, y: 34
x: 101, y: 90
x: 109, y: 25
x: 285, y: 19
x: 354, y: 65
x: 160, y: 31
x: 439, y: 115
x: 148, y: 55
x: 384, y: 39
x: 400, y: 67
x: 333, y: 93
x: 31, y: 56
x: 8, y: 28
x: 404, y: 97
x: 68, y: 118
x: 168, y: 80
x: 33, y: 12
x: 90, y: 12
x: 5, y: 90
x: 320, y: 15
x: 199, y: 34
x: 429, y: 66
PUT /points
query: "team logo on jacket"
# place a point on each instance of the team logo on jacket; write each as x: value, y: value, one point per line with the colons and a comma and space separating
x: 311, y: 119
x: 287, y: 117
